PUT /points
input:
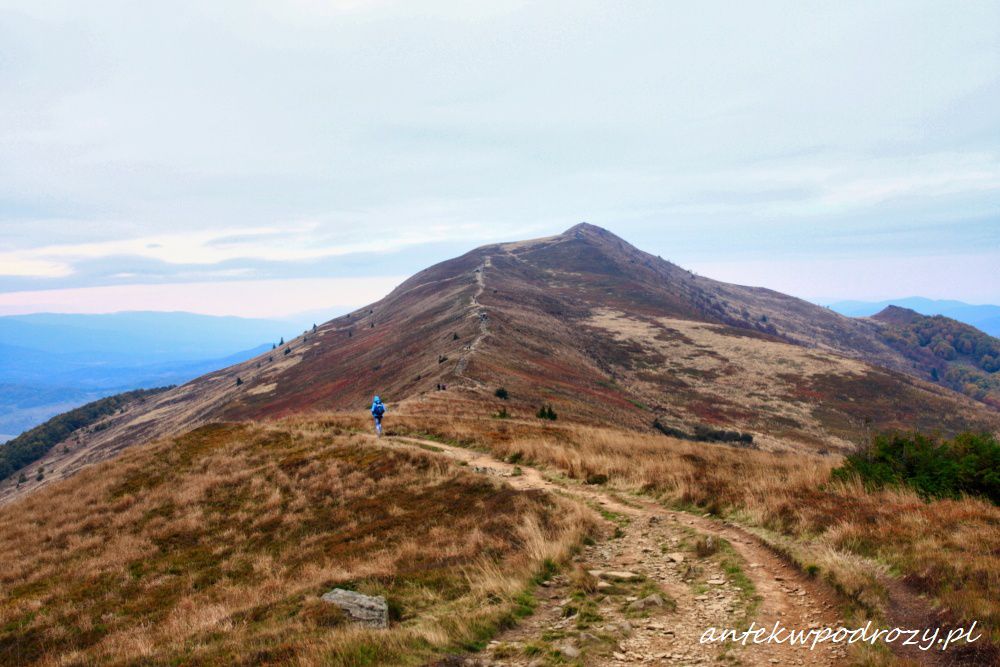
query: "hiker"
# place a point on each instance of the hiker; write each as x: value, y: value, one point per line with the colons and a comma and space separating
x: 378, y: 409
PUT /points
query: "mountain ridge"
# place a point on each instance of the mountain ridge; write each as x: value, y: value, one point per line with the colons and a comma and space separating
x: 985, y: 317
x: 591, y: 325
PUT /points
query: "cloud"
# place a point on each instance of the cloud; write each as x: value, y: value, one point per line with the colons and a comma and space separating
x: 250, y: 298
x: 827, y: 280
x: 11, y: 264
x: 291, y: 244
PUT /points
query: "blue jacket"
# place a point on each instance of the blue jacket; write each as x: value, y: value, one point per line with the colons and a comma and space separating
x: 378, y: 408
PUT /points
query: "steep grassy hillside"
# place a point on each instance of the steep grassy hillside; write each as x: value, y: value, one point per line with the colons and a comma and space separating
x: 213, y: 549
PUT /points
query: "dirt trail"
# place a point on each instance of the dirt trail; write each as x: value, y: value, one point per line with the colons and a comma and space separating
x: 655, y: 544
x: 481, y: 316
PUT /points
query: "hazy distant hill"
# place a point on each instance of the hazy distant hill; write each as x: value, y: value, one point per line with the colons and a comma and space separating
x: 50, y: 363
x: 142, y: 336
x: 986, y: 317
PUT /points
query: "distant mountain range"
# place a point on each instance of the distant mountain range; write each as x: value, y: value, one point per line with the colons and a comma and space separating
x: 986, y: 318
x: 50, y: 363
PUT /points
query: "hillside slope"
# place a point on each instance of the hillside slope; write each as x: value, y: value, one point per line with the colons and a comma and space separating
x: 955, y: 354
x: 213, y: 548
x: 589, y: 324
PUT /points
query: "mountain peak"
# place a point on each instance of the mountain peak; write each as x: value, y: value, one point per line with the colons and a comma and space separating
x: 586, y: 229
x: 896, y: 315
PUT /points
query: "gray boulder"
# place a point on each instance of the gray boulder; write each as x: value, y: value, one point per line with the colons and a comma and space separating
x: 363, y: 609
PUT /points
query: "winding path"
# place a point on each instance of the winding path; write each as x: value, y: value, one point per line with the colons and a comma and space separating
x: 648, y: 543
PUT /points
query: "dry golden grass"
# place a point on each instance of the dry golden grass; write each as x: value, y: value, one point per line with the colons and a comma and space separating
x: 948, y: 549
x: 214, y: 547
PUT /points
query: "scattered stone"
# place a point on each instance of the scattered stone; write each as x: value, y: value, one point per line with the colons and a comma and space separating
x: 363, y: 609
x: 676, y: 557
x: 653, y: 600
x: 569, y: 651
x: 716, y: 582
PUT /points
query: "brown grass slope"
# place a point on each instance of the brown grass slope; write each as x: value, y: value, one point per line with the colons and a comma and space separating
x: 213, y: 548
x: 584, y: 321
x: 613, y: 335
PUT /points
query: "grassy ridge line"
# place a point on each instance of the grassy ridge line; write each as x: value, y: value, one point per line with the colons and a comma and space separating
x: 32, y: 445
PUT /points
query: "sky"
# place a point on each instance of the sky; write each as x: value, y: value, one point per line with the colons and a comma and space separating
x: 260, y: 158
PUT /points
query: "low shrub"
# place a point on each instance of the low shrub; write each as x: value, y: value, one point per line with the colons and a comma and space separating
x: 546, y: 412
x: 704, y: 433
x: 968, y: 464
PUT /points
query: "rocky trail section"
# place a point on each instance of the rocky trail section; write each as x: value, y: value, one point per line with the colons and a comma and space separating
x: 482, y: 319
x: 646, y: 593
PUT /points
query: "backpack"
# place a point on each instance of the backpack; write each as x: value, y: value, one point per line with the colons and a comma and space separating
x: 378, y: 410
